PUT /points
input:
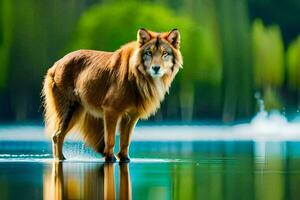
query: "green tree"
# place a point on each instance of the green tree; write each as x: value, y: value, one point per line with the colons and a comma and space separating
x: 236, y: 57
x: 204, y: 94
x: 268, y: 56
x: 32, y: 36
x: 293, y: 66
x: 6, y: 17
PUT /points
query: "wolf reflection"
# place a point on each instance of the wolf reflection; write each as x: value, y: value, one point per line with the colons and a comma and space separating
x: 86, y: 181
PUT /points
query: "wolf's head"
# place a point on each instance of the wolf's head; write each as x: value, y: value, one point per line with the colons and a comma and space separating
x: 154, y: 60
x: 158, y: 53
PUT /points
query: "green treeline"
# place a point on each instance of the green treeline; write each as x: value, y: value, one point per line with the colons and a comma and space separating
x: 227, y: 56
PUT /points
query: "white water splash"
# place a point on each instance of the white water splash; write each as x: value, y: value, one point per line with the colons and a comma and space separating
x: 265, y: 122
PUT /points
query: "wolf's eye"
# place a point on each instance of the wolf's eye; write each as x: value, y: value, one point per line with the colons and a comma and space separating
x: 165, y: 54
x: 148, y: 53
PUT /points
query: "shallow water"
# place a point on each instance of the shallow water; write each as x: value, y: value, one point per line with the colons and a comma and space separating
x: 159, y: 170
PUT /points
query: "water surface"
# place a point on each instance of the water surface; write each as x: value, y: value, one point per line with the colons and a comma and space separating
x: 159, y: 170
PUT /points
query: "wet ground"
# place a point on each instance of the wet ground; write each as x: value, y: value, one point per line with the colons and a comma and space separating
x: 159, y: 170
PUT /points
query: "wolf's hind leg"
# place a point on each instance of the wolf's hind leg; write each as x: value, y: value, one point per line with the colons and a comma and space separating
x: 59, y: 135
x: 111, y: 119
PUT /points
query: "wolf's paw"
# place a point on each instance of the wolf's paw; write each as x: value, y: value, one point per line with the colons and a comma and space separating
x: 110, y: 159
x: 59, y: 158
x: 123, y: 158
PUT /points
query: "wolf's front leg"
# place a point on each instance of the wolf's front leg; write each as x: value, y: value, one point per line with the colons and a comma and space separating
x: 127, y: 125
x: 111, y: 119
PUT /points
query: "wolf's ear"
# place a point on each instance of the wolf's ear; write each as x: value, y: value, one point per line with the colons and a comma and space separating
x: 174, y: 38
x: 143, y: 36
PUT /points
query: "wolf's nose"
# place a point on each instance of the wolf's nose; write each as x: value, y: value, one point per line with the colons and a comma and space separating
x: 156, y: 68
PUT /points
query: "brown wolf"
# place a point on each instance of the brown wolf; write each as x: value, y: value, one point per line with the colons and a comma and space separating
x: 96, y: 91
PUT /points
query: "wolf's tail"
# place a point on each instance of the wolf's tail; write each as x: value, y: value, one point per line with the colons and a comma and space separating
x: 92, y: 130
x: 49, y: 103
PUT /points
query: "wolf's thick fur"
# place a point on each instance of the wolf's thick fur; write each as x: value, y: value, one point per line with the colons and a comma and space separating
x: 96, y: 91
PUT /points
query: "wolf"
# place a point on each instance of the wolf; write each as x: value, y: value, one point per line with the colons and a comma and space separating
x: 96, y: 92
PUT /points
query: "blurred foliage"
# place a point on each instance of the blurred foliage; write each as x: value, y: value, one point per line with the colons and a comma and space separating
x: 272, y: 99
x: 268, y: 57
x: 293, y: 67
x: 32, y: 33
x: 293, y: 64
x: 237, y: 90
x: 229, y: 53
x: 5, y: 39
